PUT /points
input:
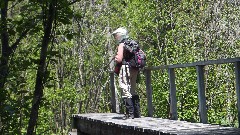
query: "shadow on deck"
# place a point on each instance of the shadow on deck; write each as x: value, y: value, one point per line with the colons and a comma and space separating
x: 112, y: 124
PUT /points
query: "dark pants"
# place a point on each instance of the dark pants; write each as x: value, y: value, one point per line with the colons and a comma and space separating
x: 136, y: 106
x: 133, y: 106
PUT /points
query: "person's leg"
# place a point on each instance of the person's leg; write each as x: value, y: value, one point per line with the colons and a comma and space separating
x: 124, y: 82
x: 136, y: 106
x: 129, y: 108
x: 133, y: 79
x: 135, y: 97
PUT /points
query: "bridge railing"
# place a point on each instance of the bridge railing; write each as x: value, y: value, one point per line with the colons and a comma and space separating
x: 173, y: 99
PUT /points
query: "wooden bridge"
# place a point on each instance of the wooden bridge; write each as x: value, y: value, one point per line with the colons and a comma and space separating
x: 111, y: 123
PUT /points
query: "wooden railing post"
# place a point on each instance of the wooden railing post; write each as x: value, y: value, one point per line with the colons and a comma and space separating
x: 149, y: 92
x: 114, y: 96
x: 237, y: 76
x: 201, y: 94
x: 173, y: 98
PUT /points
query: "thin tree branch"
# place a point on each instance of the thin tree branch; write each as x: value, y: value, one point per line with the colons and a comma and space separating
x: 16, y: 43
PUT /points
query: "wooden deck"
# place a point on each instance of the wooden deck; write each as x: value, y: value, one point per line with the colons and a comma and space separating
x: 112, y: 124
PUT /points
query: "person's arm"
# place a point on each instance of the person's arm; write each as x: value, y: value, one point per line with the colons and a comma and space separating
x: 119, y: 56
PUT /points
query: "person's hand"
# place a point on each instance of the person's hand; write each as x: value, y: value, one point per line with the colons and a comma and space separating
x: 117, y: 68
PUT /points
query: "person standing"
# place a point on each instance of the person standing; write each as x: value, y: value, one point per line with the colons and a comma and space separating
x: 127, y: 75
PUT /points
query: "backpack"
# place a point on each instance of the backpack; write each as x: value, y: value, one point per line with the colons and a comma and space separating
x: 138, y: 57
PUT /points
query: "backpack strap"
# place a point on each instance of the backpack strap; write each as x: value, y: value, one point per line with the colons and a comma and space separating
x: 124, y: 40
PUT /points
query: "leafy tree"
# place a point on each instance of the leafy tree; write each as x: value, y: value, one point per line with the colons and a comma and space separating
x: 55, y: 57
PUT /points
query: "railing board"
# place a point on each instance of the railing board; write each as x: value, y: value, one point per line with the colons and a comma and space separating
x: 173, y: 97
x: 149, y: 92
x: 201, y: 94
x: 237, y: 77
x: 199, y: 63
x: 200, y: 82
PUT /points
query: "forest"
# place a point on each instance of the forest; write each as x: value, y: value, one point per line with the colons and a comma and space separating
x: 55, y: 58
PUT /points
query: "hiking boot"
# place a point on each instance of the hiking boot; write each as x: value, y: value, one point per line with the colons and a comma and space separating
x: 128, y: 116
x: 131, y: 116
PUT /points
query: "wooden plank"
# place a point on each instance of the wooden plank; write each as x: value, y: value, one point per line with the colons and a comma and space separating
x: 201, y: 94
x: 173, y: 98
x: 237, y: 77
x: 149, y: 92
x: 112, y: 124
x: 209, y: 62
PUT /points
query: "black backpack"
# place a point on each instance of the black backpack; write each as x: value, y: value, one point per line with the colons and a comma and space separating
x: 138, y: 57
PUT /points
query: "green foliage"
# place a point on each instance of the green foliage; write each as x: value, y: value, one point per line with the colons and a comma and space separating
x: 77, y: 77
x: 160, y: 94
x: 187, y: 94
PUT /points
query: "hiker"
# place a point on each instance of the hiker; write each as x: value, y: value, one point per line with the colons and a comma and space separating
x: 127, y: 75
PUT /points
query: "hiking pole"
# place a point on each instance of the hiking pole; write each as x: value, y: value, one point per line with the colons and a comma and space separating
x: 108, y: 63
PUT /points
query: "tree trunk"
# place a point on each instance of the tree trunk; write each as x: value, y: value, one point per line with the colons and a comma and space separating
x: 5, y: 49
x: 4, y: 57
x: 38, y: 93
